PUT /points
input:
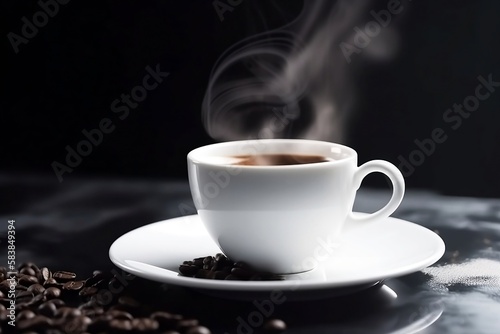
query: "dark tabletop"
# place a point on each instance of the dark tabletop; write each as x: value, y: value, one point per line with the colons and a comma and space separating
x: 70, y: 226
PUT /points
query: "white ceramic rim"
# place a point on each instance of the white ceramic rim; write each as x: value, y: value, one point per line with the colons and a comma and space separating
x: 197, y: 155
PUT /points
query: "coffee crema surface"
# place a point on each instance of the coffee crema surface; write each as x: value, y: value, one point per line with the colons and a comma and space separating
x: 278, y: 159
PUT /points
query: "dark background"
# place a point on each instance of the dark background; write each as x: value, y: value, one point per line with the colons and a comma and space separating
x: 65, y: 78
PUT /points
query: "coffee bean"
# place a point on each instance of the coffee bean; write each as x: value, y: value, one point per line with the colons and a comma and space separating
x: 198, y: 261
x: 199, y: 330
x: 103, y: 283
x: 145, y: 324
x: 275, y: 326
x: 27, y: 265
x: 133, y: 310
x: 88, y: 291
x: 22, y: 307
x: 89, y: 304
x: 37, y: 300
x: 58, y: 302
x: 92, y: 311
x: 68, y: 312
x: 99, y: 281
x: 48, y: 309
x: 220, y: 257
x: 128, y: 301
x: 77, y: 324
x: 5, y: 301
x: 185, y: 324
x: 124, y: 275
x: 208, y: 262
x: 165, y: 319
x: 222, y: 260
x: 24, y: 296
x: 44, y: 274
x: 5, y: 286
x: 188, y: 270
x: 28, y: 271
x: 36, y: 289
x: 26, y: 314
x: 38, y: 322
x: 120, y: 314
x: 51, y: 282
x: 3, y: 273
x: 202, y: 273
x: 52, y: 292
x: 63, y: 276
x: 73, y: 285
x: 3, y: 313
x: 113, y: 283
x: 120, y: 324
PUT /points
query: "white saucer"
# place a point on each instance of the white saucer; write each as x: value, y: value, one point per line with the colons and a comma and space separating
x: 368, y: 254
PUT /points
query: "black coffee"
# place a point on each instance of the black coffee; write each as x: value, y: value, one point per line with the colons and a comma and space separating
x: 279, y: 159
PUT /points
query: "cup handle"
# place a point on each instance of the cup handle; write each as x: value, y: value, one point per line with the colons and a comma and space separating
x: 398, y: 188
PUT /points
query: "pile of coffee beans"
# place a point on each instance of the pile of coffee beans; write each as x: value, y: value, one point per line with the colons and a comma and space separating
x: 219, y: 267
x: 57, y: 302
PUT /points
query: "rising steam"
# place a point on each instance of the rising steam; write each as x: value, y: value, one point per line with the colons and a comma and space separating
x: 290, y: 82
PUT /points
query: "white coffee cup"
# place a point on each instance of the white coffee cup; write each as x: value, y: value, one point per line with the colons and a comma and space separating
x: 275, y: 218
